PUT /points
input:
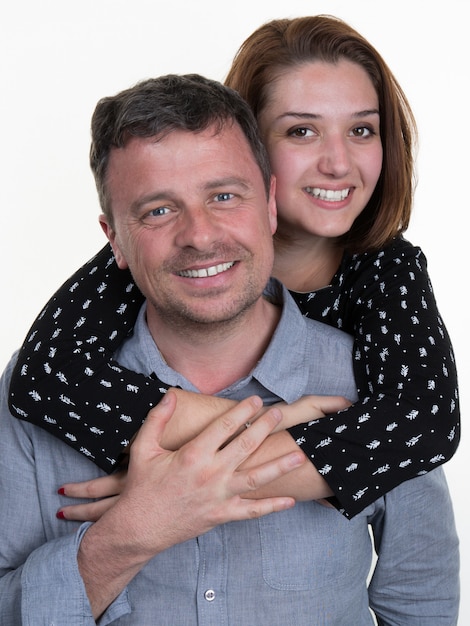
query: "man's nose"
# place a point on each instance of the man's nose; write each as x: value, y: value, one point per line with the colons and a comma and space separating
x: 199, y: 229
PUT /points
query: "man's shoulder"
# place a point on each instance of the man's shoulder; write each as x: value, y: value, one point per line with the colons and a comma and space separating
x: 298, y: 325
x: 328, y: 334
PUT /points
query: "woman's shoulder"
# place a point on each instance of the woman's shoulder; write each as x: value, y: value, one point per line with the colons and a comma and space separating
x: 398, y: 251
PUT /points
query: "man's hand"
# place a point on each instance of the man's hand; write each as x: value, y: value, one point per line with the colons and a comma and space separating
x: 304, y: 484
x: 170, y: 497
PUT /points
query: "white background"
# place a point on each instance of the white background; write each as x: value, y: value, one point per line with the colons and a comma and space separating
x: 58, y: 58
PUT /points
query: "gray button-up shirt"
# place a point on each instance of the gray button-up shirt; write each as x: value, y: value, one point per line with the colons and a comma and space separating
x: 306, y: 566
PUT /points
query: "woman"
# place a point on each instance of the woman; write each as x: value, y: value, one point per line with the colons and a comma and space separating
x: 340, y: 136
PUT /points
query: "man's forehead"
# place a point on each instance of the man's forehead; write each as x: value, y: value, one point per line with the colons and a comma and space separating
x: 184, y: 162
x: 217, y: 145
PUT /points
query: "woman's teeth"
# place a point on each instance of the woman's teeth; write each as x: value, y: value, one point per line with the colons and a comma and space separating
x: 328, y: 194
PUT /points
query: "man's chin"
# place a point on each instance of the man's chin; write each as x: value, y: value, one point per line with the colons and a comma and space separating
x: 200, y: 314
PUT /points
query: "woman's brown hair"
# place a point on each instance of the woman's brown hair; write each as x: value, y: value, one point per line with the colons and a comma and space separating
x: 284, y: 43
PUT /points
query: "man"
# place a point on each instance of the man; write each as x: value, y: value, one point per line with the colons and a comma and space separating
x: 189, y: 207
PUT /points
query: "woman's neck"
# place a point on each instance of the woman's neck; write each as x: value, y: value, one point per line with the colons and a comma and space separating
x: 308, y: 265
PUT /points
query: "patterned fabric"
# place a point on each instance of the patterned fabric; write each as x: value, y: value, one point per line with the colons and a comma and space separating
x: 406, y: 424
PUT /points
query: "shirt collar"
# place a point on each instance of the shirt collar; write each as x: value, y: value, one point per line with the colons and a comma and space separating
x: 283, y: 369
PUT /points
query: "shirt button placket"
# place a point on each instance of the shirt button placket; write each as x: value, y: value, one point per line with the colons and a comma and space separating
x: 212, y: 578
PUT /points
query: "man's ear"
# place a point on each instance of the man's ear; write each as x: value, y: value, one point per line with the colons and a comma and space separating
x: 111, y: 235
x: 272, y: 208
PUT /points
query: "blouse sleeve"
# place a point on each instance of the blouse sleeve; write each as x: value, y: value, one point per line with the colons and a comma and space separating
x: 406, y: 421
x: 65, y: 379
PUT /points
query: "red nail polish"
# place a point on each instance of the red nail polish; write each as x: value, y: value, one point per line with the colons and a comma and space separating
x: 61, y: 491
x: 60, y: 515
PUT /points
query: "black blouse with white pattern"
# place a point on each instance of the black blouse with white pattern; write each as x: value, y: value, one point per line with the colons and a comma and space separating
x: 405, y: 424
x: 407, y: 420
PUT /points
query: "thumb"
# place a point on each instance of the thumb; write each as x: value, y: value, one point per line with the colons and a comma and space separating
x: 151, y: 432
x: 333, y: 404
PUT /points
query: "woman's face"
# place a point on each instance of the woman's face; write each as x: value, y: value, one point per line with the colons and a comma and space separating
x: 321, y: 127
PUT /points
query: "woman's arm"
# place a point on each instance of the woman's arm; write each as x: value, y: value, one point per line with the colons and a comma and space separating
x: 407, y: 420
x: 66, y: 380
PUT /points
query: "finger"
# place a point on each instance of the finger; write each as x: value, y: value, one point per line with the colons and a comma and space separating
x: 90, y: 512
x: 253, y: 478
x: 216, y: 434
x: 250, y: 438
x: 335, y: 404
x: 151, y: 431
x: 326, y: 404
x: 252, y: 509
x: 309, y: 408
x: 96, y: 488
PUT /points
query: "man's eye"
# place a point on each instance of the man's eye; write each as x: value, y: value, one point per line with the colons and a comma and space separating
x: 224, y: 196
x: 162, y: 210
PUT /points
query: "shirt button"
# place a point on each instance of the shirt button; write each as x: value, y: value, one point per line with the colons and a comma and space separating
x: 209, y: 595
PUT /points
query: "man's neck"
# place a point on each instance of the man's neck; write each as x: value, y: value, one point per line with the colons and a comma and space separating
x: 214, y: 356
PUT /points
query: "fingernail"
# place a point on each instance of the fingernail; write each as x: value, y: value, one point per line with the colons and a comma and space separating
x: 164, y: 399
x: 296, y: 459
x: 61, y: 491
x: 289, y: 504
x: 256, y: 400
x: 60, y: 515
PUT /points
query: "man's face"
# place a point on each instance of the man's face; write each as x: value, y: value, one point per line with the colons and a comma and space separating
x: 192, y: 223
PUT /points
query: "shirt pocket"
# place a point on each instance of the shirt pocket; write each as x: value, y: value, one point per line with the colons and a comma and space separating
x: 312, y: 546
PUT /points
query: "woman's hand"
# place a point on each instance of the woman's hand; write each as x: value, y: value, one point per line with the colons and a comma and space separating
x: 104, y: 490
x: 309, y: 409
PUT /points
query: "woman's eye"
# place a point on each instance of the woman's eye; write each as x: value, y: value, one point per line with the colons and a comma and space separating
x: 362, y: 131
x: 300, y: 132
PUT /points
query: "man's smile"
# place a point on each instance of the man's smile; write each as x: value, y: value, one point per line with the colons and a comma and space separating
x: 207, y: 271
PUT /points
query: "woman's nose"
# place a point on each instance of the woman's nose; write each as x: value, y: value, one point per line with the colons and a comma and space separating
x: 334, y: 159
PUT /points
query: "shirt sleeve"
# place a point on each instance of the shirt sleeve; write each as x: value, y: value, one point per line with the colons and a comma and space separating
x: 416, y: 577
x: 66, y: 380
x: 406, y: 421
x: 53, y: 591
x: 39, y: 578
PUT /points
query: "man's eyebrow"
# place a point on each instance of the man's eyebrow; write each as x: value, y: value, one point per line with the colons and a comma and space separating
x: 227, y: 181
x: 160, y: 196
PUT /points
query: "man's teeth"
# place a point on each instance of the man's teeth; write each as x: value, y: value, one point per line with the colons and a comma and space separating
x: 207, y: 271
x: 328, y: 194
